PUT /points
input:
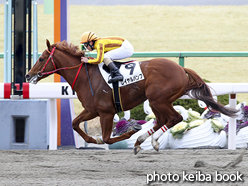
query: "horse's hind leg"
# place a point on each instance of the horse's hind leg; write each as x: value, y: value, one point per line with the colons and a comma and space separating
x: 150, y: 132
x: 173, y: 117
x: 166, y: 116
x: 156, y: 136
x: 85, y: 116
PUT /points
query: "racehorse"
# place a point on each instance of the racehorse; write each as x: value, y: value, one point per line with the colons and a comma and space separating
x: 164, y: 82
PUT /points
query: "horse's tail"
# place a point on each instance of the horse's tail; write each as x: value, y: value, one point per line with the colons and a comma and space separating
x: 198, y: 89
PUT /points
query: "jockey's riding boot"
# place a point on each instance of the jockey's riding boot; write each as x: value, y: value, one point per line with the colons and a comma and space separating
x: 115, y: 74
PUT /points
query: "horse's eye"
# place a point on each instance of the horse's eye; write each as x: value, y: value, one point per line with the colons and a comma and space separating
x: 41, y: 59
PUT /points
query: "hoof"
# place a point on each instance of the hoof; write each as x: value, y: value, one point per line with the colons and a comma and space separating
x: 155, y: 144
x: 136, y: 149
x: 135, y: 128
x: 99, y: 141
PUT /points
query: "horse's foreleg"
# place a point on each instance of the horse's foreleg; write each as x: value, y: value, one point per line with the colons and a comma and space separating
x: 84, y: 116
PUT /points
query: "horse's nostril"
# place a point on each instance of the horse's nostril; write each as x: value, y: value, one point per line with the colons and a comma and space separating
x: 27, y: 76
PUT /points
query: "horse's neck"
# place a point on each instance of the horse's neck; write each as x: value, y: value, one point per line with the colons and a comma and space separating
x: 71, y: 74
x: 65, y: 60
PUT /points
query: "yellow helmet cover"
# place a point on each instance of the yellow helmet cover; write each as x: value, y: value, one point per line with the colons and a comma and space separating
x: 88, y: 36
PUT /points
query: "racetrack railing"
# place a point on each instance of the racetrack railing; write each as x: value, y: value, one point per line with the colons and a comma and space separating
x: 53, y: 91
x: 180, y: 55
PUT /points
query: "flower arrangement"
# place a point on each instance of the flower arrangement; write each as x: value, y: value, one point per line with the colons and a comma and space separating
x: 179, y: 129
x: 193, y: 115
x: 196, y: 123
x: 212, y: 114
x: 195, y: 120
x: 216, y: 125
x: 242, y: 122
x: 123, y: 125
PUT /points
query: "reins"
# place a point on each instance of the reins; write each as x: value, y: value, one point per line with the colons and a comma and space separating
x: 41, y: 73
x: 77, y: 75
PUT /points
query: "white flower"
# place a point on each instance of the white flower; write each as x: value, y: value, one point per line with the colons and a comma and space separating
x: 150, y: 116
x: 216, y: 125
x: 195, y: 123
x: 193, y: 115
x: 179, y: 128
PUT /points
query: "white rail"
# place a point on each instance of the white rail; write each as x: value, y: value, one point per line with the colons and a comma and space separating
x: 53, y: 91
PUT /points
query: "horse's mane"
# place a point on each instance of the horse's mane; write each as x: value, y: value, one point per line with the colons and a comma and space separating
x: 69, y: 48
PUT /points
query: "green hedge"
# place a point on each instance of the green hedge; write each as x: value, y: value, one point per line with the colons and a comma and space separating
x: 137, y: 113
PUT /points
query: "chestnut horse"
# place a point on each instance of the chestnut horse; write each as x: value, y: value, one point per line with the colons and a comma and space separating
x: 165, y: 81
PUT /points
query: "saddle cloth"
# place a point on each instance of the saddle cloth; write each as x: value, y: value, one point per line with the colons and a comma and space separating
x: 131, y: 72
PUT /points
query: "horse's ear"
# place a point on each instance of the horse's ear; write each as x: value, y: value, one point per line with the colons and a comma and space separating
x: 48, y: 44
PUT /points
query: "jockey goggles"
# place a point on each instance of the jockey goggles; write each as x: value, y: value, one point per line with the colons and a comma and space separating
x: 85, y: 45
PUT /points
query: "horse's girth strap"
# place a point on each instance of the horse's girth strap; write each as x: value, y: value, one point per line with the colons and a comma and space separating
x: 117, y: 97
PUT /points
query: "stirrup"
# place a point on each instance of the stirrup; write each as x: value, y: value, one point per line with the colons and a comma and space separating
x: 116, y: 78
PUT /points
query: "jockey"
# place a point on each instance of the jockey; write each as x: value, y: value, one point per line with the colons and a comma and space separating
x: 108, y: 49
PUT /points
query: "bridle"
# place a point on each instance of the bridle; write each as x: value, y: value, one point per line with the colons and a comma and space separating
x: 41, y: 73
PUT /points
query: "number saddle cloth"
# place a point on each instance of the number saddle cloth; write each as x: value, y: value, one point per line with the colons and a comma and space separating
x: 131, y: 72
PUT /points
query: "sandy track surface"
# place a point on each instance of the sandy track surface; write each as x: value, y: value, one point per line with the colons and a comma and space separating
x: 120, y: 167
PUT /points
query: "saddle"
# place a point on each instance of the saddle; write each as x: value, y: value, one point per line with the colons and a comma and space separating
x: 116, y: 89
x: 131, y: 72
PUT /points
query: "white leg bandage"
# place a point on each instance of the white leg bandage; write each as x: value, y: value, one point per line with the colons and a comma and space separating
x: 150, y: 132
x: 164, y: 128
x: 143, y: 137
x: 160, y: 132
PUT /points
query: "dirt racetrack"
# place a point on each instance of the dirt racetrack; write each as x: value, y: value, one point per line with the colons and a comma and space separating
x: 122, y: 167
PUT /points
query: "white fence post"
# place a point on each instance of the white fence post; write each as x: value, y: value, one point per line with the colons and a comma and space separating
x: 232, y: 124
x: 53, y: 125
